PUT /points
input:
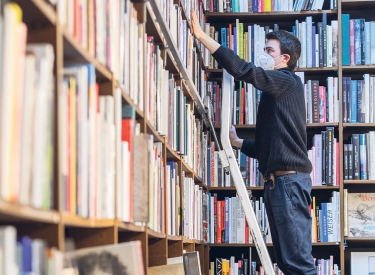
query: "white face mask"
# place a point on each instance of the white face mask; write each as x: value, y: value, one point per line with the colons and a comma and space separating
x: 267, y: 62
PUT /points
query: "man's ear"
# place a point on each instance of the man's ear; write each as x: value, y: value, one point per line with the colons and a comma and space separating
x: 286, y: 58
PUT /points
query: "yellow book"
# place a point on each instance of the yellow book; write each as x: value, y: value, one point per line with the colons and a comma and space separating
x: 225, y: 267
x: 315, y: 230
x: 267, y: 5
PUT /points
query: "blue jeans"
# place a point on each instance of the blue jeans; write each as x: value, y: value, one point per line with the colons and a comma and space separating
x: 287, y: 203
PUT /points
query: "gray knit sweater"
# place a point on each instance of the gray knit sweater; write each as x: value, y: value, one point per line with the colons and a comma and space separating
x: 280, y: 136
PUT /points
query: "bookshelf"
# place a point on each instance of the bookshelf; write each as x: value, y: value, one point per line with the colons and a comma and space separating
x: 342, y: 130
x: 56, y: 225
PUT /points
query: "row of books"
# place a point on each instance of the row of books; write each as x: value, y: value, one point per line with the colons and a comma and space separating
x: 318, y: 42
x: 322, y: 102
x: 225, y: 220
x: 324, y: 156
x: 192, y: 209
x: 27, y: 100
x: 22, y: 255
x: 102, y: 28
x: 86, y: 144
x: 176, y: 17
x: 358, y: 46
x: 359, y: 157
x: 265, y: 5
x: 358, y: 101
x: 245, y: 266
x: 171, y: 112
x: 217, y: 177
x: 326, y: 219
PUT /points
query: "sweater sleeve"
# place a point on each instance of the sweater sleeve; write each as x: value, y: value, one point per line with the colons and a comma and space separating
x: 274, y: 82
x: 248, y: 148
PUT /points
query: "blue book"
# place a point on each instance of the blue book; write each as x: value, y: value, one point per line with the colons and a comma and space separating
x: 345, y: 39
x: 25, y: 245
x: 357, y: 42
x: 224, y: 37
x: 353, y: 101
x: 360, y: 101
x: 363, y: 156
x: 313, y: 50
x: 255, y: 5
x: 324, y: 237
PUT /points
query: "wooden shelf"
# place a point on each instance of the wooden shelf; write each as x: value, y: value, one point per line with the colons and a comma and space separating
x: 268, y: 244
x: 242, y: 126
x: 236, y: 245
x: 75, y: 53
x: 37, y: 11
x: 359, y: 182
x: 317, y: 125
x: 174, y: 238
x: 10, y: 211
x: 308, y: 125
x: 355, y: 125
x: 125, y: 226
x: 155, y: 235
x: 360, y: 239
x: 349, y: 5
x: 360, y: 69
x: 76, y: 221
x: 189, y: 171
x: 151, y: 130
x: 186, y: 240
x: 138, y: 113
x: 263, y: 17
x: 317, y: 69
x: 171, y: 153
x: 325, y: 187
x: 232, y: 188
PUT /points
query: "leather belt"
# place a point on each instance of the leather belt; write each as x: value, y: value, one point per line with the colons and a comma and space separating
x: 275, y: 174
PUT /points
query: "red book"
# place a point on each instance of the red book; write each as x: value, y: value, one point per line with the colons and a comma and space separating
x: 127, y: 135
x: 219, y: 221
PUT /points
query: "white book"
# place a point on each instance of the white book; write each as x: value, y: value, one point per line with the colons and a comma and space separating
x: 362, y: 262
x: 367, y: 97
x: 8, y: 241
x: 330, y: 93
x: 317, y: 143
x: 26, y: 140
x: 372, y: 155
x: 308, y: 42
x: 44, y: 69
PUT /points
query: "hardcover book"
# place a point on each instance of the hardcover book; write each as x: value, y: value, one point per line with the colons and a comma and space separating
x: 361, y: 215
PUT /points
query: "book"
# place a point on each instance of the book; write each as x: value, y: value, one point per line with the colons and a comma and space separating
x: 117, y: 259
x: 362, y: 262
x: 170, y: 269
x: 191, y: 263
x: 361, y: 215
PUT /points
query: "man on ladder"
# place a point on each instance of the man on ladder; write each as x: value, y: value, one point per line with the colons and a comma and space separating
x: 280, y: 146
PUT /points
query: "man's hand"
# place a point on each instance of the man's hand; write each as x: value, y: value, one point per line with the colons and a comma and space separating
x: 234, y: 140
x: 196, y: 28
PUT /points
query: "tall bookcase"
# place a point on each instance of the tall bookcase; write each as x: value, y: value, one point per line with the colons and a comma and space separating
x: 342, y: 131
x: 55, y: 225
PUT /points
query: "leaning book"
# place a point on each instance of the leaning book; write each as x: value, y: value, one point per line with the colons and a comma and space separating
x: 118, y: 259
x: 361, y: 215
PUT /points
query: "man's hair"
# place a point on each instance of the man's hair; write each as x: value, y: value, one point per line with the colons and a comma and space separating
x: 289, y: 44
